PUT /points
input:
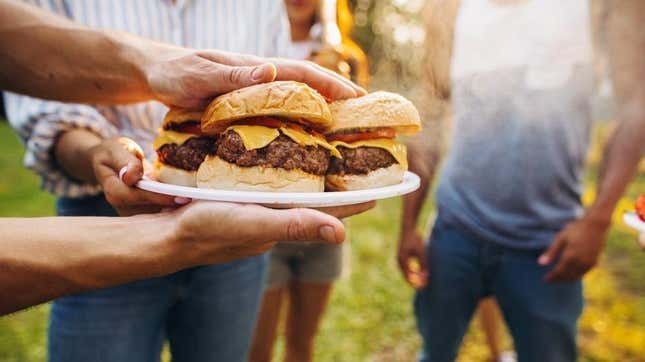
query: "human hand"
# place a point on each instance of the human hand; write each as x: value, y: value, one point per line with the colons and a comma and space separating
x: 190, y: 79
x: 215, y: 232
x: 117, y: 165
x: 641, y: 240
x: 412, y: 259
x: 576, y: 249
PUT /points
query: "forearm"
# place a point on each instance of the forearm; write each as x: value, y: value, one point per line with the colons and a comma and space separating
x: 626, y: 45
x: 424, y: 166
x: 620, y: 163
x: 43, y: 258
x: 73, y: 151
x: 68, y: 62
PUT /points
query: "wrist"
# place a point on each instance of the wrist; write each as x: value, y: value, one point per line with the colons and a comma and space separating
x: 599, y: 217
x: 163, y: 247
x: 408, y: 229
x: 137, y: 55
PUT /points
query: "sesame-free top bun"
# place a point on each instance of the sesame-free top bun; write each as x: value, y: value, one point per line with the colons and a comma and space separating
x: 180, y: 115
x: 284, y: 98
x: 215, y: 173
x: 378, y: 109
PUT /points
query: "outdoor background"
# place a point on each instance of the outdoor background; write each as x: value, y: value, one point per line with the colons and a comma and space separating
x: 370, y: 315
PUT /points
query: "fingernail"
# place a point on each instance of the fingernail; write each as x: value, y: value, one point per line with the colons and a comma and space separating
x: 328, y: 233
x: 543, y: 260
x: 122, y: 172
x: 258, y: 73
x: 182, y: 200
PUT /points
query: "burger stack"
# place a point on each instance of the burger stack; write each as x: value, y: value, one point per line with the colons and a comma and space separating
x: 284, y: 137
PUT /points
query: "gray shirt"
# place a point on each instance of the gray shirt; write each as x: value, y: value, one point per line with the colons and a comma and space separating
x: 521, y: 129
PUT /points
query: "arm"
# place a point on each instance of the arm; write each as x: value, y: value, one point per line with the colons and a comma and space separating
x: 58, y: 59
x: 44, y: 258
x: 580, y: 243
x: 425, y: 148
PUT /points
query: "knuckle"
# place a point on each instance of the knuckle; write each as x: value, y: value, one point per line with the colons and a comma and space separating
x: 296, y: 229
x: 235, y: 76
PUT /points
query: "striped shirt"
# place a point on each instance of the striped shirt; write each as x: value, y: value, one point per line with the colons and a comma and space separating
x: 258, y: 27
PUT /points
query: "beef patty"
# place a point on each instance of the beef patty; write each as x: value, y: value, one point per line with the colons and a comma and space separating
x: 360, y: 160
x: 282, y: 152
x: 189, y: 155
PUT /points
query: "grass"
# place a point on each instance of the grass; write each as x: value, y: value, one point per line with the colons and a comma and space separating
x: 370, y: 317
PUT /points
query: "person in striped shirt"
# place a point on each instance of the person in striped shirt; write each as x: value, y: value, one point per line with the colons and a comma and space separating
x: 65, y: 61
x: 204, y: 312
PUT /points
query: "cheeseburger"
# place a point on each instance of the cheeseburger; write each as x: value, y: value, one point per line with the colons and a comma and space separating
x: 181, y: 147
x: 364, y: 133
x: 269, y: 138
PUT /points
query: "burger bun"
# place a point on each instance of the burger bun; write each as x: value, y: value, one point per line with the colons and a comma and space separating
x: 215, y: 173
x: 385, y: 176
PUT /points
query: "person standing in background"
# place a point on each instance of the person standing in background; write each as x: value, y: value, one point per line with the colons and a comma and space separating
x: 302, y: 275
x: 510, y: 221
x: 425, y: 151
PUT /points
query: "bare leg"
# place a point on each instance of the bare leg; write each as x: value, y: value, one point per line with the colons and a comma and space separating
x: 267, y: 325
x: 490, y: 318
x: 307, y: 302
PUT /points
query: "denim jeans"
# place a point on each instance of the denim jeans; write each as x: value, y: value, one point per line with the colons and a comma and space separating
x: 206, y: 313
x: 542, y: 317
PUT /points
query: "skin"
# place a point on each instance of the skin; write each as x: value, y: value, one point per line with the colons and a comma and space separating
x: 306, y: 305
x: 69, y: 62
x: 62, y: 256
x: 44, y: 258
x: 301, y: 16
x: 307, y: 301
x: 576, y: 249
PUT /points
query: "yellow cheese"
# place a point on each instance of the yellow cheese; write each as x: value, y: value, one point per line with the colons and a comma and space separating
x: 167, y: 137
x: 255, y: 137
x: 306, y: 139
x: 398, y: 150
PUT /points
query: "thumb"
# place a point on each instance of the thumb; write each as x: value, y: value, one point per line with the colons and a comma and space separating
x: 302, y: 225
x: 552, y: 252
x: 230, y: 78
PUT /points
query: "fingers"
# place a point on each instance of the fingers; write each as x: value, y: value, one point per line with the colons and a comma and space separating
x: 329, y: 84
x: 227, y: 78
x: 326, y: 82
x: 568, y: 269
x: 348, y: 210
x: 297, y: 225
x: 118, y: 169
x: 552, y: 252
x: 641, y: 240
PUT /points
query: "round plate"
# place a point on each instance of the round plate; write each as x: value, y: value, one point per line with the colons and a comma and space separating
x: 286, y: 199
x: 632, y: 220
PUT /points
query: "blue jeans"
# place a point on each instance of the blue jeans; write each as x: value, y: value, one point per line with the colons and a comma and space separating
x: 206, y: 313
x: 542, y: 317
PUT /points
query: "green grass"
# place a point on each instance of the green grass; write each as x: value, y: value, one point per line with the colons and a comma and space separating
x: 370, y: 317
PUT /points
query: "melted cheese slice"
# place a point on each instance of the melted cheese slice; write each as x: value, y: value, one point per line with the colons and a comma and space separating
x: 306, y: 139
x: 398, y: 150
x: 168, y: 137
x: 255, y: 137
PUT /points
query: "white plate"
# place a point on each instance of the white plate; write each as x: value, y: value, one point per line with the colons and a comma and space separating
x: 632, y: 220
x: 286, y: 199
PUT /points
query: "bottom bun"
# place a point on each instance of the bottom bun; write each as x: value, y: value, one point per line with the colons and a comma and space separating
x: 385, y: 176
x: 215, y: 173
x: 176, y: 176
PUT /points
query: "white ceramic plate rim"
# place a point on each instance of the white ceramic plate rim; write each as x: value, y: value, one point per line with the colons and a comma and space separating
x: 632, y: 220
x: 410, y: 183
